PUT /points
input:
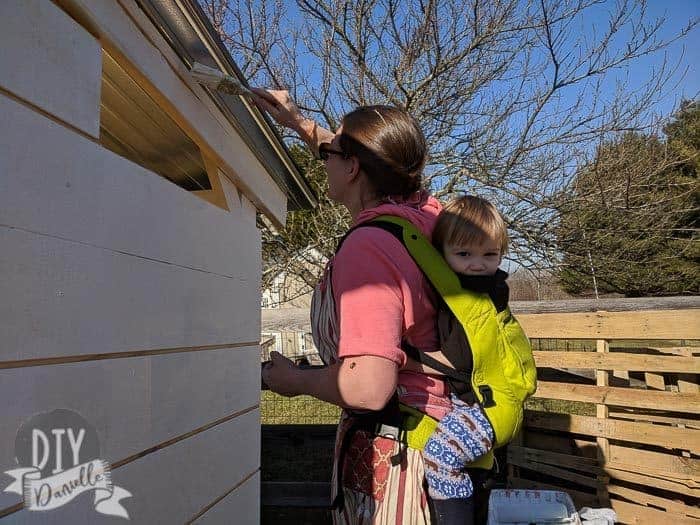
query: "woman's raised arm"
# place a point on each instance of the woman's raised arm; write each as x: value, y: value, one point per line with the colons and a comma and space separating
x: 280, y: 106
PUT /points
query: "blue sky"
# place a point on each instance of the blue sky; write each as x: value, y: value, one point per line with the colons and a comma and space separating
x: 687, y: 79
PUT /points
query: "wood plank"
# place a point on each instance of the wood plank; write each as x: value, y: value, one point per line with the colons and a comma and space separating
x: 627, y: 397
x: 687, y: 351
x: 688, y: 383
x: 133, y: 403
x: 280, y: 319
x: 149, y: 58
x: 101, y: 199
x: 651, y: 324
x: 175, y: 483
x: 633, y: 514
x: 616, y: 304
x: 561, y: 443
x: 654, y: 463
x: 654, y: 381
x: 617, y: 361
x: 583, y: 464
x: 73, y: 299
x: 651, y: 418
x: 644, y: 498
x: 662, y: 436
x: 686, y: 488
x: 602, y: 379
x: 55, y: 65
x: 581, y: 499
x: 230, y: 506
x: 555, y: 472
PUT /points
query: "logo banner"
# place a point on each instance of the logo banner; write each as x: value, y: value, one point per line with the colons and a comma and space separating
x: 54, y: 491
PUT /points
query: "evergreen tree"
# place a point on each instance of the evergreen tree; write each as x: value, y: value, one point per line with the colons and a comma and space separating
x: 629, y: 220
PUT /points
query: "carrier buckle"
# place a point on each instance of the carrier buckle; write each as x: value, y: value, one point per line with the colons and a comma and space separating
x: 487, y: 395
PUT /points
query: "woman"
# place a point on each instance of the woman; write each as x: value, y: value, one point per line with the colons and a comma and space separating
x: 371, y: 299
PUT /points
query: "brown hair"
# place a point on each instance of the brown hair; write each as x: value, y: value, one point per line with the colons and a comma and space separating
x: 390, y: 146
x: 470, y: 220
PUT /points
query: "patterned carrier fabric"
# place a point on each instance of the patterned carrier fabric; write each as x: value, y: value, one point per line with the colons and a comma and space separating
x: 376, y: 493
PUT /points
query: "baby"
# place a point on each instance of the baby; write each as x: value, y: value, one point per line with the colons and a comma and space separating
x: 473, y: 238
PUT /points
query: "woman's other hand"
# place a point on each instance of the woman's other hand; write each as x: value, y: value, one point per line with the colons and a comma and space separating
x: 280, y: 375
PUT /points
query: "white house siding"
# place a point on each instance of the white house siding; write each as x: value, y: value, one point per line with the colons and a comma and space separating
x: 124, y: 297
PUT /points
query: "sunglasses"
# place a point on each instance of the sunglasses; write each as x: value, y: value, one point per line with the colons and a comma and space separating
x: 325, y: 151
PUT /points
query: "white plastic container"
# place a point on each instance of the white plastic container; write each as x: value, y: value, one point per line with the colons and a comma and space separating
x: 524, y: 507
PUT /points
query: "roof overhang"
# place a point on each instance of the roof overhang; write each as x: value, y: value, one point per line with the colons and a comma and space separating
x: 186, y: 27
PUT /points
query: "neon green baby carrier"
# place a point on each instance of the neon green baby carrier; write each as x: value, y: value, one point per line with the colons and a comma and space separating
x: 503, y: 374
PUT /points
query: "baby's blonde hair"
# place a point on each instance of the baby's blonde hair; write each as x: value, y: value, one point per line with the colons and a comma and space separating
x: 470, y: 220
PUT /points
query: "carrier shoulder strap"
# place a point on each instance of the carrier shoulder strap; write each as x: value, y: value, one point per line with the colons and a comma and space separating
x: 460, y: 301
x: 443, y: 280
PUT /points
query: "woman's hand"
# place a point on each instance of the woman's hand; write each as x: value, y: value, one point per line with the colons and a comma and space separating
x: 282, y: 108
x: 280, y: 375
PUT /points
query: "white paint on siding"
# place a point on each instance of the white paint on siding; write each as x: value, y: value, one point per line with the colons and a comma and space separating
x: 50, y: 61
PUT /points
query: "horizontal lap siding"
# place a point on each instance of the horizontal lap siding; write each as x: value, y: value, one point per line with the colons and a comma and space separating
x: 173, y: 485
x: 108, y: 257
x: 60, y: 184
x: 104, y: 266
x: 59, y: 73
x: 228, y: 509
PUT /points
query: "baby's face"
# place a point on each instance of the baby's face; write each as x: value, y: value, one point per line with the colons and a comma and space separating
x: 473, y: 259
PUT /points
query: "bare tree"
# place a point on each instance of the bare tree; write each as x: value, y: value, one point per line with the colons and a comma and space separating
x: 511, y: 94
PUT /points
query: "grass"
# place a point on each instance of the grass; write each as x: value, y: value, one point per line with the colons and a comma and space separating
x: 300, y: 410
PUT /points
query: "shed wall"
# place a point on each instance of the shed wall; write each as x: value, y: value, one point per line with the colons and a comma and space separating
x: 124, y: 298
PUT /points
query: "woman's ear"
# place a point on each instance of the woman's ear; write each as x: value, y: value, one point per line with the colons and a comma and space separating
x: 353, y: 168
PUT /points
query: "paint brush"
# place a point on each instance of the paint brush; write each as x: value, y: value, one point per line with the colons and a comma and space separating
x: 219, y: 81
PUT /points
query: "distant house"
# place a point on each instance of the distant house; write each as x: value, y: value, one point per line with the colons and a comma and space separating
x: 129, y: 252
x: 292, y: 290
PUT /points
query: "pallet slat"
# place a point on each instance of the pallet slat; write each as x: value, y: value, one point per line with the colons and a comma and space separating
x: 649, y: 499
x: 685, y: 487
x: 631, y: 513
x: 635, y: 398
x: 647, y: 324
x: 663, y: 436
x: 618, y: 361
x: 583, y: 464
x: 549, y: 470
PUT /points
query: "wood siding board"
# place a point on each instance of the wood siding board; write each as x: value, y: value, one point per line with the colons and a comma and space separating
x: 134, y: 404
x: 96, y: 197
x: 663, y: 436
x: 228, y: 509
x: 627, y: 397
x: 617, y: 361
x: 73, y: 299
x: 173, y: 484
x: 54, y: 63
x: 651, y: 324
x: 129, y: 36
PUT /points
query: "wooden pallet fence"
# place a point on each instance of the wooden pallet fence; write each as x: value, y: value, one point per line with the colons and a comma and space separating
x: 636, y: 447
